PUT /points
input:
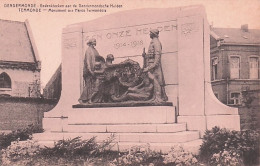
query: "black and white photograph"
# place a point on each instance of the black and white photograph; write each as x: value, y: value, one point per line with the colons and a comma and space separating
x: 130, y: 83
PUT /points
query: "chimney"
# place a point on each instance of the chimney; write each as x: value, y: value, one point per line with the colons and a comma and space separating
x: 244, y: 28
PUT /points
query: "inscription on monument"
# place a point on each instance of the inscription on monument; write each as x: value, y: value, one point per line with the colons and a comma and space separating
x: 132, y: 31
x: 128, y: 41
x: 188, y: 28
x: 70, y: 43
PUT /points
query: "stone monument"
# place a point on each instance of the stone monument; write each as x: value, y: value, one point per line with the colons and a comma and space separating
x: 174, y: 107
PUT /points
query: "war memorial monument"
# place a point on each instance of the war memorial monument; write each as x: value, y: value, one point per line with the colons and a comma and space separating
x: 143, y: 75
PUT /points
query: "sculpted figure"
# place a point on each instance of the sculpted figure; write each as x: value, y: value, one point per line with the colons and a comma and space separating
x: 153, y: 67
x: 126, y: 81
x: 151, y: 85
x: 92, y: 73
x: 110, y: 58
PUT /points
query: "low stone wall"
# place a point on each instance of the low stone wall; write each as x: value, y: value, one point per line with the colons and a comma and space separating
x: 17, y: 112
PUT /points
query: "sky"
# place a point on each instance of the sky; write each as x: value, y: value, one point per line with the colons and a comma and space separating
x: 47, y: 26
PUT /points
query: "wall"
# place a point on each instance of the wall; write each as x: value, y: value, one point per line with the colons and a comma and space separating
x: 20, y: 112
x: 221, y: 86
x: 223, y: 89
x: 250, y: 111
x: 249, y: 117
x: 243, y: 52
x: 20, y: 81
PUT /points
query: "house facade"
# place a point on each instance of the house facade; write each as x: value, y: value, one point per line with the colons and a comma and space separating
x: 19, y: 61
x: 235, y: 55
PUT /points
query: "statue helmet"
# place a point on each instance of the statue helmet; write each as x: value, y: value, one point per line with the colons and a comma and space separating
x: 154, y: 31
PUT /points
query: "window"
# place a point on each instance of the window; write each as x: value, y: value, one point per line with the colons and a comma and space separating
x: 235, y: 98
x: 253, y: 68
x: 214, y: 68
x: 5, y: 81
x: 234, y: 67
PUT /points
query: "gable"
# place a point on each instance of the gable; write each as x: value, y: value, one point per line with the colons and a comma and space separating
x: 15, y: 43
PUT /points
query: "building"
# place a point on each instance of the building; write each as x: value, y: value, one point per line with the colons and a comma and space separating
x: 21, y: 103
x: 52, y: 90
x: 19, y: 61
x: 235, y: 55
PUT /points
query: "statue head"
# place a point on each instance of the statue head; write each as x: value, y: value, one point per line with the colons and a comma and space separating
x: 110, y: 58
x: 154, y: 33
x: 92, y: 42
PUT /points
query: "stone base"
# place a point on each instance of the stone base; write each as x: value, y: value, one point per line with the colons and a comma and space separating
x: 158, y: 141
x: 194, y: 123
x: 191, y: 146
x: 178, y: 137
x: 131, y: 126
x: 128, y: 128
x: 122, y: 104
x: 201, y: 123
x: 123, y: 115
x: 160, y: 137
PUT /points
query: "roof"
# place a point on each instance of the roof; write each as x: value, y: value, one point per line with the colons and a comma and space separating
x: 16, y: 42
x: 236, y: 35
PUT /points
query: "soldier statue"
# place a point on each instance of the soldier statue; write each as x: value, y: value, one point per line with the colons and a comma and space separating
x: 152, y: 65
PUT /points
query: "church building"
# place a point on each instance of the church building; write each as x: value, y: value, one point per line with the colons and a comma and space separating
x: 19, y: 61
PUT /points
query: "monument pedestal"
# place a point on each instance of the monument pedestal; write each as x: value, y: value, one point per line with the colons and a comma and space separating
x: 122, y: 115
x: 130, y: 126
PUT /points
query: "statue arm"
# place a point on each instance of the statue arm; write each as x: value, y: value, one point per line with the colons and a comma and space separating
x: 85, y: 68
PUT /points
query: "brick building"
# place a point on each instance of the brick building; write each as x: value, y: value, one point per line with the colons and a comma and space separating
x: 235, y: 55
x: 19, y: 62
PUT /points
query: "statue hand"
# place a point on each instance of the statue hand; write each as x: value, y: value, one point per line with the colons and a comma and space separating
x: 145, y: 70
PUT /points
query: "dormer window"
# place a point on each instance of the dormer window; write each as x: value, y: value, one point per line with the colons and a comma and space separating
x: 5, y: 81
